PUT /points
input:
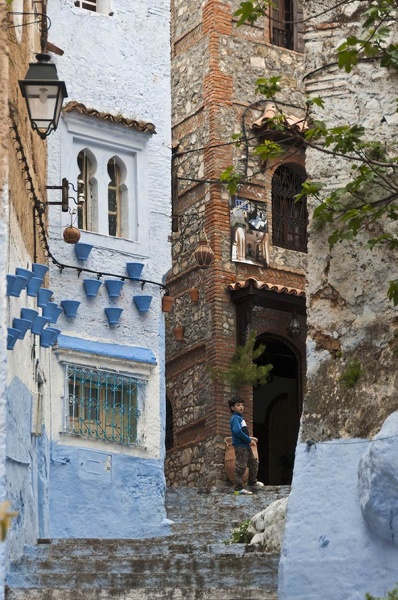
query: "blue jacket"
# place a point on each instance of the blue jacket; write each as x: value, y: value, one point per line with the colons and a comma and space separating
x: 240, y: 432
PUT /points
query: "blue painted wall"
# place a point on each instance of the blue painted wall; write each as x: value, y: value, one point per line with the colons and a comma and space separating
x: 328, y: 550
x: 22, y: 470
x: 105, y: 495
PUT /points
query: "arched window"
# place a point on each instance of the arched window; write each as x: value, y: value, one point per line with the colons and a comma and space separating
x: 289, y: 217
x: 86, y: 211
x: 114, y: 199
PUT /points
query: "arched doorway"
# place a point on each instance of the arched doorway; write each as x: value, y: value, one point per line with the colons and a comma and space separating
x: 276, y: 412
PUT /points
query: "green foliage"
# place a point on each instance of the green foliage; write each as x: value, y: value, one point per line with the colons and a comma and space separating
x: 240, y: 535
x: 268, y: 149
x: 268, y: 86
x: 367, y: 204
x: 392, y: 595
x: 249, y: 12
x: 242, y: 370
x: 351, y: 374
x: 232, y: 178
x: 393, y: 292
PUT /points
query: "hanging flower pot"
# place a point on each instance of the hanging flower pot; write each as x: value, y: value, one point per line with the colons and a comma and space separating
x: 179, y: 333
x: 70, y: 308
x: 203, y: 254
x: 44, y: 296
x: 19, y: 284
x: 39, y: 270
x: 38, y: 324
x: 34, y: 285
x: 142, y: 303
x: 113, y: 314
x: 71, y: 235
x: 24, y: 273
x: 194, y: 294
x: 83, y: 250
x: 134, y: 269
x: 29, y: 313
x: 91, y: 287
x: 11, y: 279
x: 12, y: 336
x: 22, y: 325
x: 48, y: 337
x: 114, y: 287
x: 167, y: 303
x: 52, y: 311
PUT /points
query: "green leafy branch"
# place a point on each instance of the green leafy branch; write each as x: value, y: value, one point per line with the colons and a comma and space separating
x: 242, y: 369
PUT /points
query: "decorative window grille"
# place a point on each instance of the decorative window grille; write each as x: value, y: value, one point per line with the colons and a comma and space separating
x: 114, y: 199
x: 103, y: 405
x: 287, y: 24
x: 87, y: 4
x: 289, y: 217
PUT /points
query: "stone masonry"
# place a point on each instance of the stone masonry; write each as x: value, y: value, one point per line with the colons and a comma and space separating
x: 214, y: 69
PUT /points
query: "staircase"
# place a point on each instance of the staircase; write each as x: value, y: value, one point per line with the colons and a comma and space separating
x: 191, y: 562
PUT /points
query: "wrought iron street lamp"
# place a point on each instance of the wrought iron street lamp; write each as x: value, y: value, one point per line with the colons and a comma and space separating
x: 44, y: 94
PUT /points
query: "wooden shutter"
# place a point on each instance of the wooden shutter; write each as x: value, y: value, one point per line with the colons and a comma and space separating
x: 299, y: 26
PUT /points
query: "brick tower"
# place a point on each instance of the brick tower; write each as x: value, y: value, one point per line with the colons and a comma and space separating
x: 258, y: 237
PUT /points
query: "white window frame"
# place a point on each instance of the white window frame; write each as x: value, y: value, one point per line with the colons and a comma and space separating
x: 104, y: 141
x: 104, y: 7
x: 77, y: 406
x: 138, y: 370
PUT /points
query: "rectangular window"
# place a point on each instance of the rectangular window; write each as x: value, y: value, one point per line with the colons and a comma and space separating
x: 287, y: 24
x: 87, y: 4
x: 103, y: 405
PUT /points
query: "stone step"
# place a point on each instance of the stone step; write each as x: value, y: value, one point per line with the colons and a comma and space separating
x: 119, y: 550
x: 204, y: 571
x: 191, y: 561
x: 173, y: 593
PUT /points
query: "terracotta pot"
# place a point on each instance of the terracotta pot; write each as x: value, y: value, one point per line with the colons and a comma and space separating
x: 194, y: 294
x: 167, y: 303
x: 204, y: 255
x: 179, y: 333
x: 230, y: 459
x: 71, y: 235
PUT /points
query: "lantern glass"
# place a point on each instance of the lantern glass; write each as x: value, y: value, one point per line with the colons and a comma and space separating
x: 44, y: 94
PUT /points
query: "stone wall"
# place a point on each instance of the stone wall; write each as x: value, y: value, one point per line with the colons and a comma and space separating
x: 214, y: 69
x: 22, y: 246
x: 349, y: 319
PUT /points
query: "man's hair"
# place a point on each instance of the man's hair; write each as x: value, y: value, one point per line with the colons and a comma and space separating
x: 233, y: 401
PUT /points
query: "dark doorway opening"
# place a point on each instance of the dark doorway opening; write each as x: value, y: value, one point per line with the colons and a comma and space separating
x: 276, y: 413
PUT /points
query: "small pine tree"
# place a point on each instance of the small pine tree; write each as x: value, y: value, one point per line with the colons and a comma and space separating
x: 242, y: 370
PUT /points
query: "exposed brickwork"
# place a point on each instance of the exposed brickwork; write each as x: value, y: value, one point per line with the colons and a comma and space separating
x: 215, y: 66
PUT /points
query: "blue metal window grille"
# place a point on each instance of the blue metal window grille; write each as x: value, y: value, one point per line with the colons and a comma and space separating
x: 103, y: 405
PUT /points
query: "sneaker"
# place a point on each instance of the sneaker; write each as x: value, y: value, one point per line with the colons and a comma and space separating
x: 257, y: 485
x: 243, y: 493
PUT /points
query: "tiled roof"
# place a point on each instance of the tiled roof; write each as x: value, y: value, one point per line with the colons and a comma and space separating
x: 141, y: 126
x: 291, y: 121
x: 263, y: 285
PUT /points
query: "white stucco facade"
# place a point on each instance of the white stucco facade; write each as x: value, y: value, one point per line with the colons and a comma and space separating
x: 110, y: 64
x: 87, y: 471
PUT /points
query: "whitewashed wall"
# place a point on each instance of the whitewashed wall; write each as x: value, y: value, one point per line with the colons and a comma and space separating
x: 330, y: 551
x: 116, y: 64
